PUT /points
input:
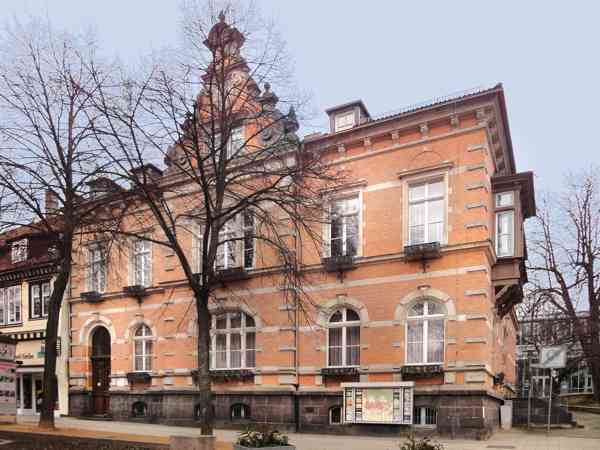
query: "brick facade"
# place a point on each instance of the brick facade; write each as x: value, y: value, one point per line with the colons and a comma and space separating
x: 462, y: 142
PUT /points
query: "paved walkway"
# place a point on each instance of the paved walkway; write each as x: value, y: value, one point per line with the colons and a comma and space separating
x: 587, y: 438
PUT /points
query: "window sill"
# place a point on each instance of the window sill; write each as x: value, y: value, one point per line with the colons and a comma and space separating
x: 11, y: 325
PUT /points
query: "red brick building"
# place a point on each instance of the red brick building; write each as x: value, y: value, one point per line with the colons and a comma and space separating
x: 415, y: 287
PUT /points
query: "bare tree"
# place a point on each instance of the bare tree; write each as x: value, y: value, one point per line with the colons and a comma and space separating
x: 237, y: 182
x: 47, y: 153
x: 565, y: 262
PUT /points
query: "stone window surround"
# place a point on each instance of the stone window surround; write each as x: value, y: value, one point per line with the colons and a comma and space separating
x: 424, y: 175
x: 351, y: 192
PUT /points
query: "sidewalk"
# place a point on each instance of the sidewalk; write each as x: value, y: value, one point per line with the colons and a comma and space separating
x: 582, y: 439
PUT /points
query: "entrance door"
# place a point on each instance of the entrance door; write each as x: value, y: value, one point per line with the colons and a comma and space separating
x: 100, y: 370
x: 29, y: 393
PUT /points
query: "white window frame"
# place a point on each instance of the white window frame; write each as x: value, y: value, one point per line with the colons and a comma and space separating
x: 499, y: 196
x: 11, y: 298
x: 341, y: 123
x: 44, y: 291
x: 97, y: 268
x: 425, y: 319
x: 248, y: 229
x: 427, y: 181
x: 228, y: 331
x: 423, y: 417
x: 147, y: 356
x: 358, y: 195
x: 19, y: 250
x: 511, y: 233
x: 139, y: 256
x: 233, y: 244
x: 344, y: 325
x: 236, y: 135
x: 331, y: 422
x: 227, y: 238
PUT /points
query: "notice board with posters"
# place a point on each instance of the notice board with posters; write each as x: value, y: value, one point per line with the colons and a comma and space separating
x: 384, y: 402
x: 8, y: 380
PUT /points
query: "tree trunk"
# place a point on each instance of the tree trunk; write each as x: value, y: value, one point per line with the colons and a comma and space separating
x: 206, y: 415
x: 594, y: 368
x: 49, y: 383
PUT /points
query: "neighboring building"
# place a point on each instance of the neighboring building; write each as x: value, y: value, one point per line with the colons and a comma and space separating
x: 535, y: 333
x: 27, y: 266
x: 423, y: 264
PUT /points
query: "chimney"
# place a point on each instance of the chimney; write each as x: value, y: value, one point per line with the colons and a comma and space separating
x: 50, y: 202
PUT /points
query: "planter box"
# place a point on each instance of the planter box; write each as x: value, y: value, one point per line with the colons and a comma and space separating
x: 91, y: 296
x: 231, y: 274
x: 279, y: 447
x: 419, y: 252
x: 139, y: 377
x: 339, y: 263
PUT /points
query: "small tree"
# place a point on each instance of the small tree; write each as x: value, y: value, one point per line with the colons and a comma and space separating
x: 565, y: 262
x: 236, y: 178
x: 47, y: 153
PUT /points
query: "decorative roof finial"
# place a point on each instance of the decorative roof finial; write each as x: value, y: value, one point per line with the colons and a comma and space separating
x: 222, y: 17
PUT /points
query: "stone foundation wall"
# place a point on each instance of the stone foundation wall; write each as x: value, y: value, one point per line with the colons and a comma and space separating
x: 473, y: 414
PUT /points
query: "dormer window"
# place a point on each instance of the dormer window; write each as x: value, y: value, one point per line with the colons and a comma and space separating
x: 19, y: 251
x: 344, y: 121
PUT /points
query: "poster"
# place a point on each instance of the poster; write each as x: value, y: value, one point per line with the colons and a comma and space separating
x: 8, y: 378
x: 386, y: 403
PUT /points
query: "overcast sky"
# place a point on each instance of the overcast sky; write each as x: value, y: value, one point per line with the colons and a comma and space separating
x: 392, y: 54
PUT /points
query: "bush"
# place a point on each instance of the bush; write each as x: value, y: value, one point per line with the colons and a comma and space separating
x: 260, y: 438
x: 413, y: 443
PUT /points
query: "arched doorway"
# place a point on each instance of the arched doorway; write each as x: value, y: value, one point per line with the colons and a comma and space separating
x: 100, y: 371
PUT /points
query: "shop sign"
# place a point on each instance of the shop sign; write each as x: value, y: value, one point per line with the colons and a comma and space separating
x: 8, y: 397
x: 384, y: 403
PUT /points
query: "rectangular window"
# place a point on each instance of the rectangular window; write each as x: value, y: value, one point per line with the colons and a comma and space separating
x: 226, y: 251
x: 426, y: 212
x: 236, y: 142
x: 19, y: 250
x: 344, y: 121
x: 505, y: 230
x: 11, y: 304
x: 2, y: 306
x: 97, y: 269
x: 424, y: 416
x: 142, y: 263
x: 237, y: 243
x: 39, y: 299
x: 504, y: 199
x: 248, y: 240
x: 344, y: 227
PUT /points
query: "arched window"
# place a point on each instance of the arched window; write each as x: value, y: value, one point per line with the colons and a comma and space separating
x: 143, y: 348
x: 335, y: 415
x: 240, y: 411
x: 344, y: 338
x: 139, y: 409
x: 425, y: 333
x: 233, y: 341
